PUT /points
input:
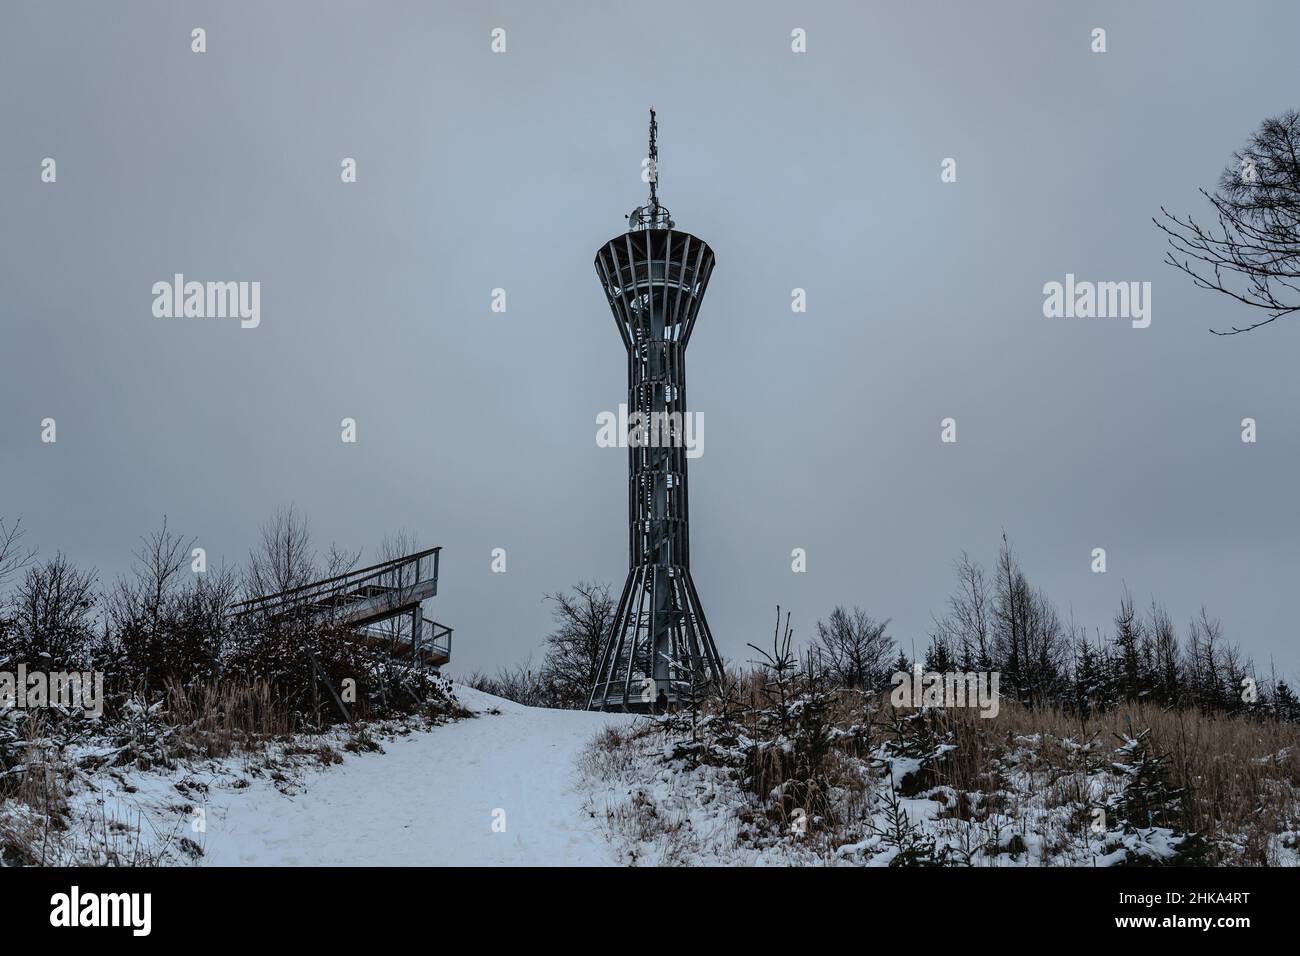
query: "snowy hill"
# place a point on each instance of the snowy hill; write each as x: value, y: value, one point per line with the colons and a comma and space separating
x: 510, y: 785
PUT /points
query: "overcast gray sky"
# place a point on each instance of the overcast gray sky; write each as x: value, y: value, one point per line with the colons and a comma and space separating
x: 818, y: 170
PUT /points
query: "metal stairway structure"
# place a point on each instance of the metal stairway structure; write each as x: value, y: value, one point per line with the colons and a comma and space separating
x: 383, y: 603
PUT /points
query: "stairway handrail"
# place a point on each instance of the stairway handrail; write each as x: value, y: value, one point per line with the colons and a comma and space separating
x: 361, y: 574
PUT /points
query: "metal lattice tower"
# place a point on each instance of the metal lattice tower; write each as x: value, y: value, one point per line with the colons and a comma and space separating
x: 659, y: 647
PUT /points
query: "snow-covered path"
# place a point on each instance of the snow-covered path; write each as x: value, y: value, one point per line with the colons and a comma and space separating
x: 430, y: 800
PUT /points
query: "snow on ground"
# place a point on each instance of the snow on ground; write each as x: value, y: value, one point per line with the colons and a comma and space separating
x: 429, y: 799
x: 524, y: 786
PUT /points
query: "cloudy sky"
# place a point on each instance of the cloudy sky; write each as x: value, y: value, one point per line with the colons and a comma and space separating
x: 821, y: 170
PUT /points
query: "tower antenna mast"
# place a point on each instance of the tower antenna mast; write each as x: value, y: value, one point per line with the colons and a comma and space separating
x: 654, y: 161
x: 652, y: 215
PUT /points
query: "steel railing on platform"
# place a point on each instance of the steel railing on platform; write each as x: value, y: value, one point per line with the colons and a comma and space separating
x: 342, y: 589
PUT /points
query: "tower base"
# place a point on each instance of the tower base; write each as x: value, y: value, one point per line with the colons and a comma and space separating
x: 660, y: 652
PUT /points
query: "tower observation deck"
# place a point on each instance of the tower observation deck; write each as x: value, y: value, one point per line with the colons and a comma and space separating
x: 659, y: 646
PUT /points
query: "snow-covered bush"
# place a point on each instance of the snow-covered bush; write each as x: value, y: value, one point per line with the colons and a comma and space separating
x: 1146, y: 817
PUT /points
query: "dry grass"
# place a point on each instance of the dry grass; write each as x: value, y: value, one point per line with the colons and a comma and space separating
x: 42, y: 783
x: 1243, y: 774
x: 608, y: 755
x: 220, y: 719
x: 40, y: 792
x: 1232, y: 764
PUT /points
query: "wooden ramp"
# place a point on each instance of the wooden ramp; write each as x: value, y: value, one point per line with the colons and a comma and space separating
x: 383, y: 603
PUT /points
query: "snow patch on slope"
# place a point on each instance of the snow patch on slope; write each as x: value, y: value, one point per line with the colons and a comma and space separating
x: 429, y: 797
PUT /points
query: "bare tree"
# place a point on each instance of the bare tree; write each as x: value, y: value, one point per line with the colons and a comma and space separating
x: 398, y: 544
x: 13, y: 556
x: 340, y: 560
x: 1031, y: 644
x: 968, y: 624
x: 853, y: 647
x: 1253, y: 255
x: 54, y: 621
x: 157, y: 630
x: 155, y: 573
x: 583, y: 619
x: 159, y: 564
x: 284, y: 558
